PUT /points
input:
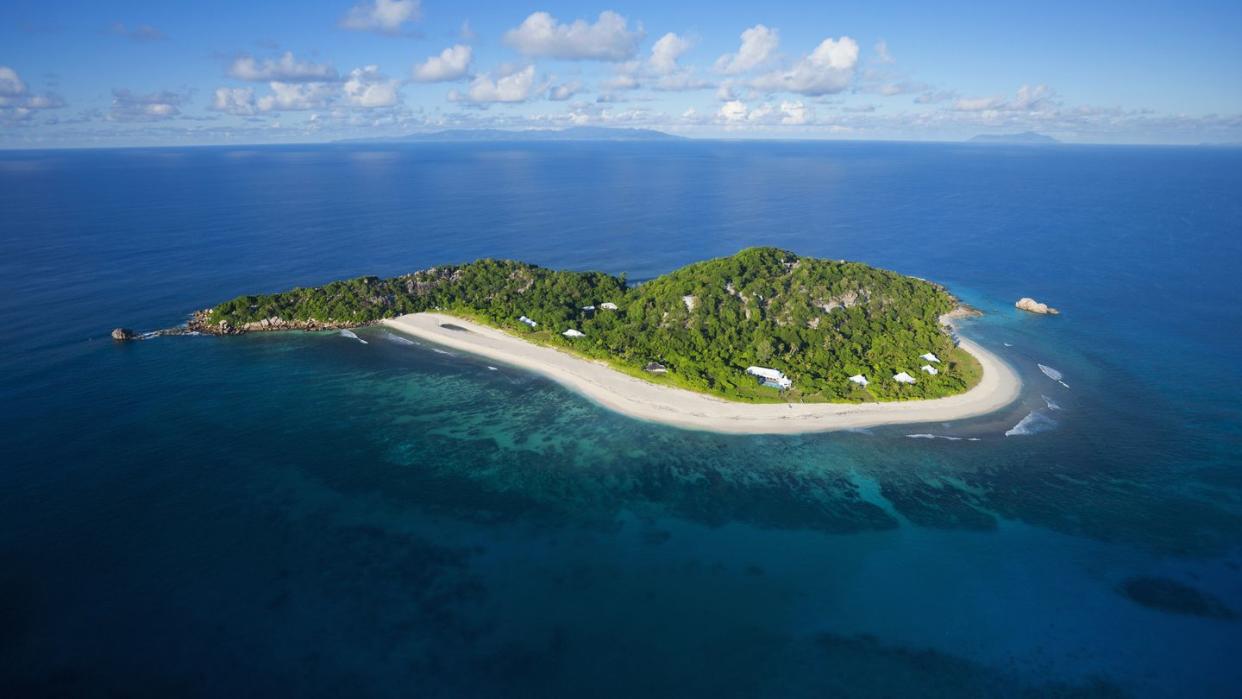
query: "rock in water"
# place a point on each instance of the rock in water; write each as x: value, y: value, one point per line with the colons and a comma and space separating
x: 1027, y: 303
x: 122, y: 334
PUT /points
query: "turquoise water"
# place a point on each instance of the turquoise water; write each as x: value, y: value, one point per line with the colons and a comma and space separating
x: 297, y: 514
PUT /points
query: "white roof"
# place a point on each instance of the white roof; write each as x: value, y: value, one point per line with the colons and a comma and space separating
x: 765, y: 372
x: 588, y: 308
x: 930, y: 369
x: 903, y: 377
x: 573, y: 333
x: 609, y: 305
x: 528, y: 321
x: 930, y: 357
x: 859, y: 379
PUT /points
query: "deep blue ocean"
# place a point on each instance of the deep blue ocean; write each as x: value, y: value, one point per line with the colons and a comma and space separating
x: 308, y: 515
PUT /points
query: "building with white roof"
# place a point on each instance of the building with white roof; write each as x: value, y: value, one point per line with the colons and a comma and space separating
x: 860, y: 380
x: 573, y: 333
x: 770, y: 377
x: 930, y: 369
x: 903, y: 377
x: 930, y: 357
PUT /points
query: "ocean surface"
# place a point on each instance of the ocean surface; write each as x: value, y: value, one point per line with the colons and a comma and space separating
x: 312, y: 515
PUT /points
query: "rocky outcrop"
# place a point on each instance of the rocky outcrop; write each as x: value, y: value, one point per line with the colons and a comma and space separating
x: 200, y: 322
x: 1029, y: 304
x: 122, y: 334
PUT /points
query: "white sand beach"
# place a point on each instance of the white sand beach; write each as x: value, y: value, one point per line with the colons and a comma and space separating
x: 674, y: 406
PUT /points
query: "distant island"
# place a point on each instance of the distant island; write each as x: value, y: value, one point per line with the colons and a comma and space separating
x: 761, y: 326
x: 1026, y: 138
x: 573, y: 133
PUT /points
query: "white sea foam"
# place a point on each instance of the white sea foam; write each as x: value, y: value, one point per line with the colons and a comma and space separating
x: 351, y: 335
x: 1034, y: 422
x: 440, y: 351
x: 1052, y: 404
x: 492, y: 368
x: 399, y: 340
x: 927, y: 435
x: 1053, y: 374
x: 1008, y: 345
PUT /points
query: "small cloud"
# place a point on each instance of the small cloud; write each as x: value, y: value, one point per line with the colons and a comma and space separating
x: 238, y: 101
x: 564, y: 91
x: 17, y: 103
x: 367, y: 88
x: 297, y: 96
x: 141, y: 33
x: 506, y: 87
x: 382, y: 16
x: 156, y: 106
x: 608, y: 39
x: 287, y: 69
x: 452, y: 64
x: 826, y: 70
x: 759, y: 45
x: 466, y: 33
x: 881, y: 52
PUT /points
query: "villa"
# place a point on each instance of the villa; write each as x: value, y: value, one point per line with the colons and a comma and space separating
x: 771, y: 378
x: 608, y: 306
x: 930, y: 357
x: 903, y: 377
x: 528, y: 321
x: 930, y: 369
x: 573, y: 333
x: 860, y: 380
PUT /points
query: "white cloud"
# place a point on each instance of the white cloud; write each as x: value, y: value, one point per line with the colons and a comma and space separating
x: 157, y: 106
x: 827, y: 70
x: 17, y: 104
x: 789, y: 113
x: 665, y: 52
x: 517, y: 86
x: 368, y: 89
x: 452, y: 64
x: 608, y: 39
x: 383, y: 16
x: 297, y: 96
x: 238, y: 101
x: 11, y: 84
x: 286, y: 69
x: 881, y: 52
x: 759, y: 45
x: 564, y: 91
x: 1028, y: 99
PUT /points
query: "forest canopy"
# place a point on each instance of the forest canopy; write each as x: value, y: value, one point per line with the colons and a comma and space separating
x: 819, y: 321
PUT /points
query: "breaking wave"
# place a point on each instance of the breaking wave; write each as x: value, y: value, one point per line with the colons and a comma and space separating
x: 1052, y: 404
x: 928, y: 435
x: 350, y: 334
x: 1034, y: 423
x: 399, y: 340
x: 1053, y: 374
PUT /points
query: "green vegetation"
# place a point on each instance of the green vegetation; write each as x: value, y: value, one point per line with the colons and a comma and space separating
x: 819, y: 321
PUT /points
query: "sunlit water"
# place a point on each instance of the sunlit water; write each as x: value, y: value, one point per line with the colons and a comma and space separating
x: 296, y: 514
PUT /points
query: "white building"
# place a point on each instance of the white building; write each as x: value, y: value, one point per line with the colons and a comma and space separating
x: 770, y: 377
x: 608, y: 306
x: 903, y: 377
x: 930, y: 369
x: 573, y: 333
x: 860, y: 380
x: 930, y: 357
x: 528, y: 321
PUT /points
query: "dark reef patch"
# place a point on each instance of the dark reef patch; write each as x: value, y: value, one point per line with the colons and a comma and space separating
x: 1172, y: 596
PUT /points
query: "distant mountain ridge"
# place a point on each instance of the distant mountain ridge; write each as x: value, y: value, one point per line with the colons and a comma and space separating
x: 573, y: 133
x: 1029, y: 138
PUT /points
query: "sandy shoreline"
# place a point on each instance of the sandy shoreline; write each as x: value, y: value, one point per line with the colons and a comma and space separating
x: 674, y: 406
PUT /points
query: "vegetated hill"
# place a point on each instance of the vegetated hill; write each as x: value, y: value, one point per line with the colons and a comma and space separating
x: 1026, y: 138
x: 820, y: 321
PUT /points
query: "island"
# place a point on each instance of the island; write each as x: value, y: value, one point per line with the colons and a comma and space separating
x: 1026, y: 138
x: 761, y: 341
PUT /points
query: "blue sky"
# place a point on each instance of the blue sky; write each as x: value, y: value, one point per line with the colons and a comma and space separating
x: 155, y: 73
